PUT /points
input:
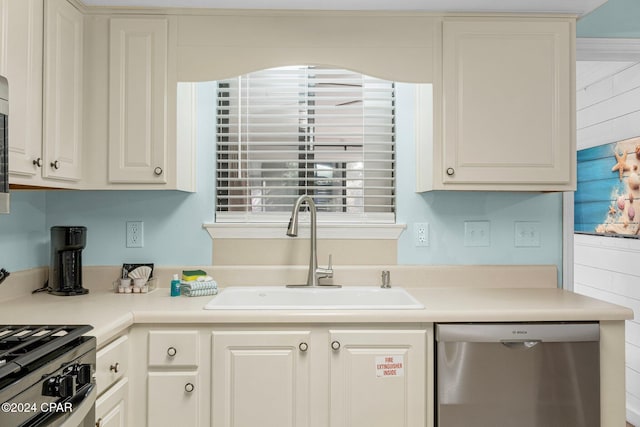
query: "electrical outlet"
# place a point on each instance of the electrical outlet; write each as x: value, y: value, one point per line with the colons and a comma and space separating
x: 421, y: 233
x: 527, y: 234
x: 135, y: 234
x: 477, y: 233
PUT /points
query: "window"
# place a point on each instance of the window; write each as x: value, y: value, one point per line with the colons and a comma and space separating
x: 288, y: 131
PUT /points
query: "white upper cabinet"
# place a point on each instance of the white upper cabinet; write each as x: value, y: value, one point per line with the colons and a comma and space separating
x: 137, y: 100
x: 22, y: 65
x: 504, y: 114
x: 63, y: 80
x: 139, y: 118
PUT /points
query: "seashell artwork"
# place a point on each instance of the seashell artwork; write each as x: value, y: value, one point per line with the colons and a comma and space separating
x: 608, y: 189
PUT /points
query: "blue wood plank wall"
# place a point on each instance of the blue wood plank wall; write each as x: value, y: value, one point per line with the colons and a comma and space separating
x: 598, y: 188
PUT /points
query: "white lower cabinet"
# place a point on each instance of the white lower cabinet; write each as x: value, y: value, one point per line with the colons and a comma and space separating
x: 378, y: 378
x: 111, y: 406
x: 167, y: 389
x: 172, y: 399
x: 319, y: 377
x: 292, y: 375
x: 112, y: 382
x: 260, y: 378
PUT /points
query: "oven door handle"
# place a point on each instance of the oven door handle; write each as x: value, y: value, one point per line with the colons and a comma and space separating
x: 82, y: 408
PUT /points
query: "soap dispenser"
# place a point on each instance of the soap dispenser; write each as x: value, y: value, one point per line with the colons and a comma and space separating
x: 175, y: 286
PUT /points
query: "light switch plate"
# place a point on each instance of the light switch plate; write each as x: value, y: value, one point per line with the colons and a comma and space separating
x: 527, y: 234
x: 477, y: 233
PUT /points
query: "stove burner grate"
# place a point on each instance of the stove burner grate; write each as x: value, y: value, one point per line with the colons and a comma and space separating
x: 24, y: 344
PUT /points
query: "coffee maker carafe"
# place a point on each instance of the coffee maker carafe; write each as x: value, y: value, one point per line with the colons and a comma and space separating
x: 65, y: 272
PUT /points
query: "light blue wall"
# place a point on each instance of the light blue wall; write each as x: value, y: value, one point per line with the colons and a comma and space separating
x: 23, y: 237
x: 615, y: 19
x: 173, y: 233
x: 446, y: 211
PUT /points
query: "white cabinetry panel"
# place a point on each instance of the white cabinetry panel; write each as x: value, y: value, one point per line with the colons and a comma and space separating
x: 504, y: 109
x: 260, y: 378
x: 137, y: 100
x: 111, y: 407
x: 22, y: 65
x: 378, y: 378
x: 63, y: 80
x: 507, y: 103
x: 172, y: 399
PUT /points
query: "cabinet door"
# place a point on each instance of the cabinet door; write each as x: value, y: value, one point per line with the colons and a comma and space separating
x: 22, y: 55
x: 507, y: 91
x: 378, y: 378
x: 62, y: 129
x: 260, y: 379
x: 138, y: 100
x: 112, y: 363
x: 172, y: 399
x: 111, y: 407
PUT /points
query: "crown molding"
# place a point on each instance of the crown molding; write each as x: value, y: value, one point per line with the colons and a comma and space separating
x: 607, y: 49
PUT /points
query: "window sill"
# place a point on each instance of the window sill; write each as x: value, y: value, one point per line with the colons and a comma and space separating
x: 325, y: 231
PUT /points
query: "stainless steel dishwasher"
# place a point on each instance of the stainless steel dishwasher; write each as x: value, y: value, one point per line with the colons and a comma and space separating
x: 518, y: 375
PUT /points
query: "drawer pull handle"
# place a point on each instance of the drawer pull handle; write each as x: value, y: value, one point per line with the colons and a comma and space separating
x: 451, y: 171
x: 115, y: 368
x: 303, y: 346
x: 38, y: 162
x: 158, y: 171
x: 99, y: 422
x: 188, y: 387
x: 55, y: 165
x: 171, y: 351
x: 335, y: 345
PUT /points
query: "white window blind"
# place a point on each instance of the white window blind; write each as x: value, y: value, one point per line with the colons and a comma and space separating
x: 289, y: 131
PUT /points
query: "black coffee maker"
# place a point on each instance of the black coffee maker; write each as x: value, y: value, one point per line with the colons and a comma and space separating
x: 65, y: 272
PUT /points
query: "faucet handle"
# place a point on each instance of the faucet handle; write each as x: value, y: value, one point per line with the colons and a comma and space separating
x: 325, y: 273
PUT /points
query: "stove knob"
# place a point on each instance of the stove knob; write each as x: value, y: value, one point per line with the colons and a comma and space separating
x: 83, y: 374
x: 59, y: 386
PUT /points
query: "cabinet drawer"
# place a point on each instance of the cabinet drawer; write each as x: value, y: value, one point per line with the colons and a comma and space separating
x: 173, y: 349
x: 111, y: 363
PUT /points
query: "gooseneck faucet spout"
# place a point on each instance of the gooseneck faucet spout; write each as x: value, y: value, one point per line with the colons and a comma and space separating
x: 315, y: 273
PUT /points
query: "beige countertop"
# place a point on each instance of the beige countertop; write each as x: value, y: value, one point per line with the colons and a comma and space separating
x: 111, y: 313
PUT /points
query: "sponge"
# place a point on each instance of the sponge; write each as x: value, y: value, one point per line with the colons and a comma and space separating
x: 191, y: 275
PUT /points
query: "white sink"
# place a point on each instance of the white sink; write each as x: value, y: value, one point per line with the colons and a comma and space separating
x: 283, y: 298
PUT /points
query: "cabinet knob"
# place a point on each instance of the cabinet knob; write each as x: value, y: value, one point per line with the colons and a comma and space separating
x: 99, y: 422
x: 38, y: 162
x: 188, y: 387
x: 451, y: 171
x: 335, y: 345
x: 158, y: 171
x: 303, y: 346
x: 171, y: 351
x: 115, y: 368
x: 55, y: 165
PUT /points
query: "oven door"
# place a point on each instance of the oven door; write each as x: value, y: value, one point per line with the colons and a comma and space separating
x: 79, y: 411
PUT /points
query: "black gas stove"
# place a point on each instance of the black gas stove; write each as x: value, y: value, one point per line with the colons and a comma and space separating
x: 47, y: 376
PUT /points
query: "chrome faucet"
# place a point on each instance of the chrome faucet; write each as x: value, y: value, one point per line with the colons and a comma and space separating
x: 315, y: 273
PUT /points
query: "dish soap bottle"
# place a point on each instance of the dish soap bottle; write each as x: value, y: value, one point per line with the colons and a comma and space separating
x: 175, y: 286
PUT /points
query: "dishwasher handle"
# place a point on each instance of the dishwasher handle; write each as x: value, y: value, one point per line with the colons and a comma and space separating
x: 520, y: 344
